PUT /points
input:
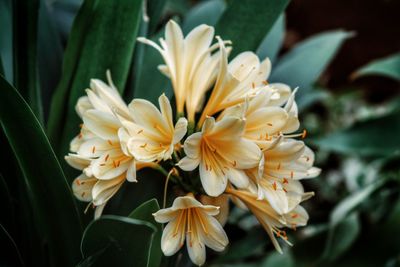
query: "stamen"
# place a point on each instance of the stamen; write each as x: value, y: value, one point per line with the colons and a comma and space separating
x: 285, y: 181
x: 102, y: 164
x: 304, y: 134
x: 269, y: 124
x: 140, y: 131
x: 253, y: 85
x: 234, y: 163
x: 265, y: 82
x: 93, y: 149
x: 81, y: 125
x: 143, y: 146
x: 78, y: 182
x: 291, y: 174
x: 279, y: 166
x: 274, y: 186
x: 107, y: 156
x: 109, y: 141
x: 294, y: 215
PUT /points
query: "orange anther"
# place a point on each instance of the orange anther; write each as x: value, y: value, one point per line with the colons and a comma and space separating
x: 304, y: 134
x: 140, y: 131
x: 285, y: 181
x: 107, y: 156
x: 109, y: 141
x: 93, y: 149
x: 274, y: 186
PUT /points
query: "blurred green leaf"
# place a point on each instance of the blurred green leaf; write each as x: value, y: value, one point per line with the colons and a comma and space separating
x: 125, y: 241
x: 276, y: 259
x: 272, y: 42
x: 342, y: 236
x: 104, y: 42
x: 247, y: 22
x: 55, y: 213
x: 206, y: 12
x: 313, y: 96
x: 145, y: 213
x: 6, y: 39
x: 10, y: 253
x: 388, y: 67
x: 154, y: 11
x: 303, y: 65
x: 50, y: 52
x: 26, y: 76
x: 374, y: 137
x: 254, y: 241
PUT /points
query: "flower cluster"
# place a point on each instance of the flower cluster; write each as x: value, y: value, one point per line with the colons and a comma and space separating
x: 238, y: 143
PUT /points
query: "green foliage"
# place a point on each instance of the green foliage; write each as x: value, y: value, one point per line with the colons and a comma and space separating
x: 388, y: 66
x: 272, y: 42
x: 47, y: 188
x: 372, y: 137
x: 104, y: 43
x: 247, y: 22
x: 118, y: 241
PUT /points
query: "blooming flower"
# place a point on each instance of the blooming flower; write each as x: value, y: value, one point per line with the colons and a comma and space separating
x: 221, y: 154
x: 189, y: 63
x: 188, y: 218
x: 271, y: 221
x: 152, y: 135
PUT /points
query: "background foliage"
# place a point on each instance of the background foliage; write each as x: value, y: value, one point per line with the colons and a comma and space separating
x: 49, y: 50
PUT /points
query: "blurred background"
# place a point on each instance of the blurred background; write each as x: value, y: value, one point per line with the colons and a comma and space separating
x: 345, y: 57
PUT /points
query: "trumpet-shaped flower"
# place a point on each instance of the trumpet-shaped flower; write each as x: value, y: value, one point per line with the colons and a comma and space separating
x: 221, y: 153
x: 271, y: 221
x: 152, y: 135
x: 188, y: 63
x: 189, y: 219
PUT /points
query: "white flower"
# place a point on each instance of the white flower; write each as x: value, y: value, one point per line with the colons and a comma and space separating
x: 152, y: 136
x: 221, y: 154
x: 188, y: 63
x: 189, y: 219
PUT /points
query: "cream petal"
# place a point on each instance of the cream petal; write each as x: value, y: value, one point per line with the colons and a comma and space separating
x: 82, y: 105
x: 213, y: 183
x: 188, y: 164
x: 297, y: 217
x: 82, y: 187
x: 276, y: 197
x: 97, y: 102
x: 102, y: 124
x: 222, y: 202
x: 180, y: 130
x: 216, y: 239
x: 196, y: 249
x: 243, y: 64
x: 268, y: 120
x: 227, y: 128
x: 281, y: 93
x: 288, y: 150
x: 131, y: 172
x: 192, y: 145
x: 165, y: 215
x: 263, y: 72
x: 171, y: 240
x: 146, y: 114
x: 77, y: 161
x: 146, y: 150
x: 244, y: 154
x: 238, y: 178
x: 166, y: 110
x: 94, y: 148
x: 103, y: 190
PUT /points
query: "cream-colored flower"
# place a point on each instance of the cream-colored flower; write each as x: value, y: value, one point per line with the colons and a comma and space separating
x: 221, y: 153
x: 221, y: 201
x: 189, y: 219
x: 271, y: 221
x: 242, y: 78
x: 189, y: 63
x: 152, y: 136
x: 100, y: 150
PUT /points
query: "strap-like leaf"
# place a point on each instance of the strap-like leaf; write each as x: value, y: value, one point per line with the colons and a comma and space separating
x: 55, y: 213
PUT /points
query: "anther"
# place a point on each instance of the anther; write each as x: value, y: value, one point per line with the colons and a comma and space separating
x: 140, y: 131
x: 107, y: 156
x: 274, y: 186
x: 304, y: 134
x: 109, y: 141
x: 285, y: 181
x: 93, y: 149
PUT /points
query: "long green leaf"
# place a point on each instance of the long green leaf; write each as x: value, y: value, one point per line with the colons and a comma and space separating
x: 272, y: 42
x: 25, y: 27
x: 125, y: 241
x: 388, y: 66
x: 247, y: 22
x: 154, y: 11
x: 55, y: 213
x: 10, y: 252
x: 6, y: 39
x: 145, y: 213
x: 302, y: 66
x: 374, y: 137
x: 207, y: 12
x: 106, y: 41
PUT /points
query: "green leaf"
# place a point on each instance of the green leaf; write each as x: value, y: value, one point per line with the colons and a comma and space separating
x: 388, y: 67
x: 272, y: 42
x: 341, y: 237
x: 145, y: 213
x: 350, y: 203
x: 276, y: 259
x: 247, y: 22
x: 50, y: 52
x: 302, y: 66
x: 26, y: 79
x: 56, y: 215
x: 207, y: 12
x: 125, y: 241
x: 154, y: 11
x: 6, y: 40
x: 10, y: 253
x: 106, y: 41
x: 373, y: 137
